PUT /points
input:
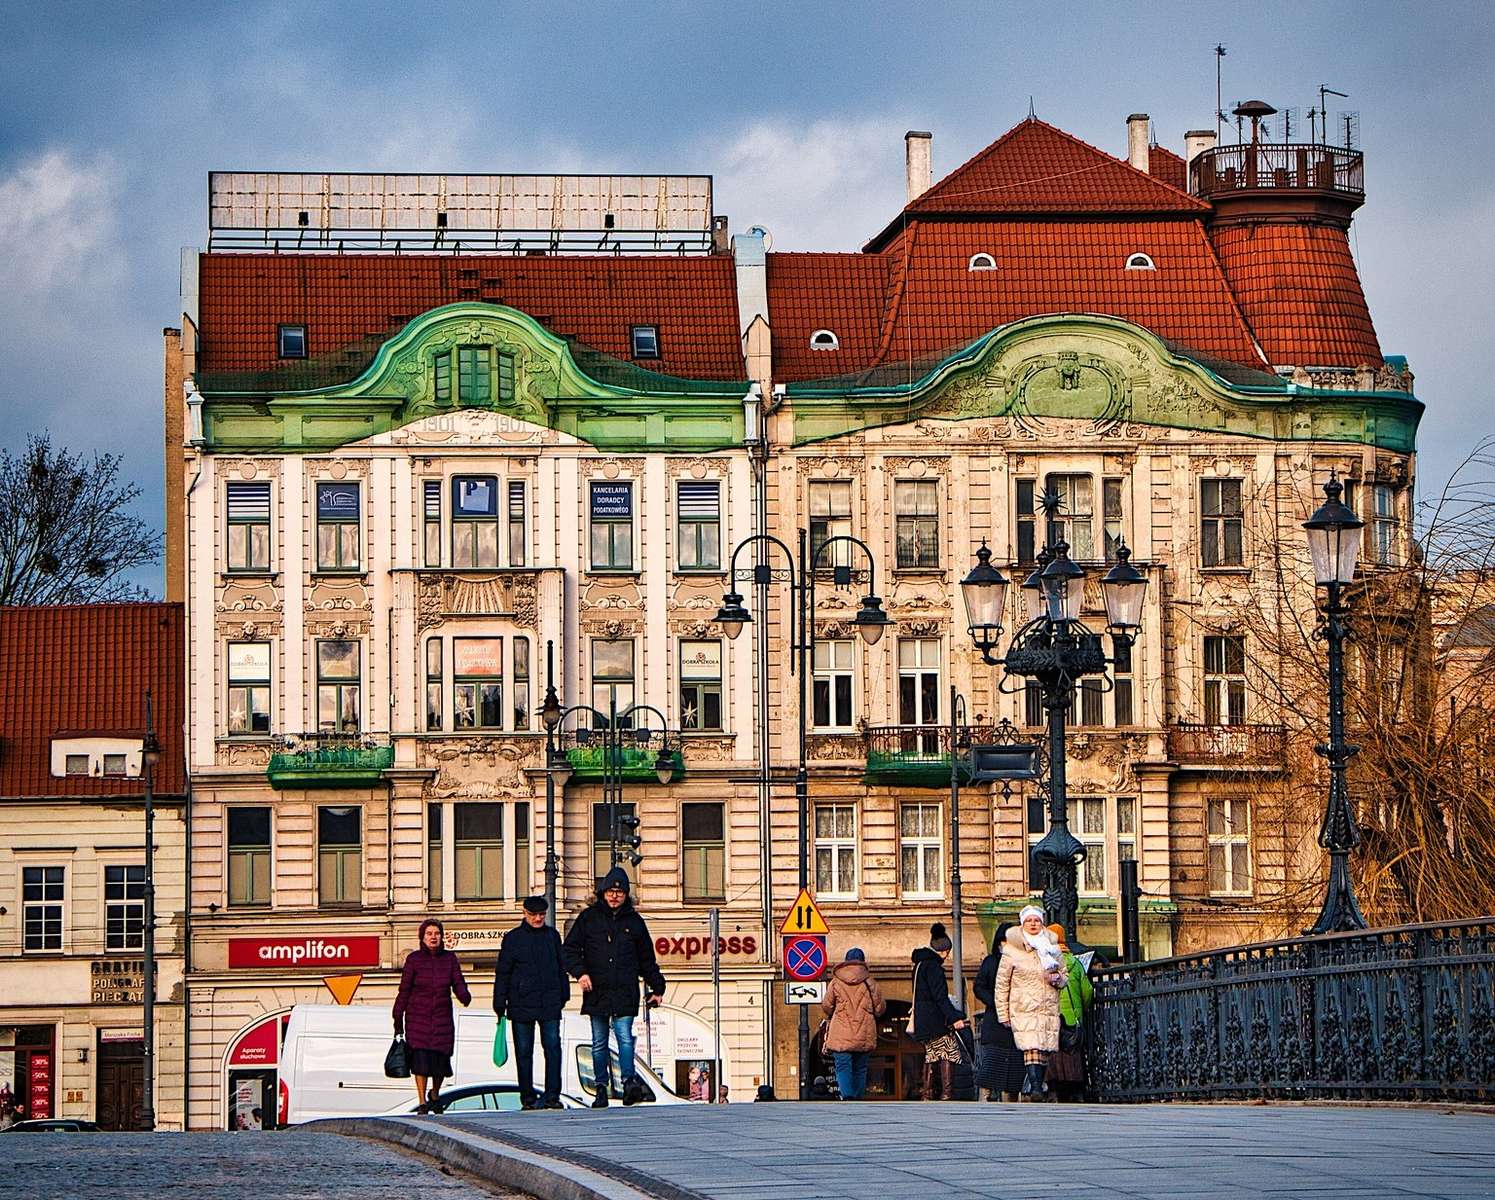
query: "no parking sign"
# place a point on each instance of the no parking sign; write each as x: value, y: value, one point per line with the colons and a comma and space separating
x: 805, y: 956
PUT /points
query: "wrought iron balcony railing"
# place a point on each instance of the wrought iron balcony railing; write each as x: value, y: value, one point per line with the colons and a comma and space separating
x: 636, y: 759
x: 328, y: 760
x: 1288, y: 166
x: 915, y: 755
x: 1228, y: 747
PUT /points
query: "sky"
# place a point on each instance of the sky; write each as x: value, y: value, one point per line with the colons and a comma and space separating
x: 112, y: 114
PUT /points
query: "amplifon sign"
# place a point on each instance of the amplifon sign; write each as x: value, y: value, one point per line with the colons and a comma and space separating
x: 310, y: 953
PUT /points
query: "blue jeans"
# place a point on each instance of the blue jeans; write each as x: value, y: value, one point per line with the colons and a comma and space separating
x: 622, y: 1029
x: 851, y: 1073
x: 524, y: 1059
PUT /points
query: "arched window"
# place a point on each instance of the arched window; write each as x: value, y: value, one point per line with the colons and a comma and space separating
x: 824, y: 339
x: 1140, y: 262
x: 982, y: 262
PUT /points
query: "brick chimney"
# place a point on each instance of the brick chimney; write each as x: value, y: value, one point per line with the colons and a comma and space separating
x: 1137, y: 131
x: 918, y: 162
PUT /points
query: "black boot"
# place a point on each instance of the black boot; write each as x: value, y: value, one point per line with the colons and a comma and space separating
x: 1032, y: 1074
x: 601, y: 1100
x: 927, y: 1091
x: 1040, y: 1088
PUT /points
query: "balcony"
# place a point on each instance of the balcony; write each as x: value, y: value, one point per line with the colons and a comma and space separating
x: 637, y: 758
x: 315, y: 760
x: 1282, y: 167
x: 1228, y: 748
x: 915, y: 755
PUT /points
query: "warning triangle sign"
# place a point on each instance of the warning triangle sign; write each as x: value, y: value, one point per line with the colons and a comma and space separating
x: 342, y: 987
x: 804, y: 917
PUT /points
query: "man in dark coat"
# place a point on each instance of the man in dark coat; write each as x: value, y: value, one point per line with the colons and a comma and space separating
x: 531, y: 986
x: 608, y: 950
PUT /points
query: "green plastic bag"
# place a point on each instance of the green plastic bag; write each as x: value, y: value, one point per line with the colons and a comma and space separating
x: 501, y: 1042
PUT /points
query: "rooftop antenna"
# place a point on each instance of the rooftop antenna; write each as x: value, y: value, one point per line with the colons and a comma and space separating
x: 1324, y: 91
x: 1290, y: 123
x: 1350, y: 122
x: 1219, y: 104
x: 1312, y: 124
x: 1031, y: 114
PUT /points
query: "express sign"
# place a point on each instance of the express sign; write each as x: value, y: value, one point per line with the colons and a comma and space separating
x: 317, y: 952
x: 690, y: 946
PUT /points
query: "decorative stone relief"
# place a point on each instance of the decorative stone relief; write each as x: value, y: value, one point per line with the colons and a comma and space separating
x: 503, y: 594
x: 337, y: 628
x: 250, y: 468
x: 920, y: 626
x: 916, y: 467
x: 613, y: 468
x: 696, y: 467
x: 910, y: 595
x: 479, y: 767
x: 704, y: 748
x: 242, y: 754
x: 610, y: 628
x: 835, y: 747
x: 248, y: 596
x: 828, y: 467
x: 697, y: 627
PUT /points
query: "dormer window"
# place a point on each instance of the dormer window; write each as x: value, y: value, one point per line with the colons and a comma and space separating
x: 981, y: 262
x: 1140, y: 262
x: 290, y: 341
x: 645, y: 341
x: 824, y: 339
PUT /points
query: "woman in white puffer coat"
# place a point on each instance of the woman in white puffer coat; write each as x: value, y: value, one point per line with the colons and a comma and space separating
x: 1029, y: 979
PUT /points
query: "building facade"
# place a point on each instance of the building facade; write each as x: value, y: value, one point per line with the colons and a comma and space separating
x: 409, y: 483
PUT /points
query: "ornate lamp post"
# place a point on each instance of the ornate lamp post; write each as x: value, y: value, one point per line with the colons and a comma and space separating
x: 1334, y: 534
x: 1055, y: 649
x: 870, y: 622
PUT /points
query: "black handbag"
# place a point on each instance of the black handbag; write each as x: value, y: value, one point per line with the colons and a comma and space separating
x: 397, y: 1061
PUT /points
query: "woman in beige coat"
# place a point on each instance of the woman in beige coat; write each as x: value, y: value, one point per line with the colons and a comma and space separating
x: 853, y: 1003
x: 1027, y: 994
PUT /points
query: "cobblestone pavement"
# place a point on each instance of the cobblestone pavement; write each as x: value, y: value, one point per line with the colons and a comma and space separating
x: 219, y: 1166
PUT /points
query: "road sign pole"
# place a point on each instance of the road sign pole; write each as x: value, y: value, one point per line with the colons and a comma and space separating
x: 716, y: 994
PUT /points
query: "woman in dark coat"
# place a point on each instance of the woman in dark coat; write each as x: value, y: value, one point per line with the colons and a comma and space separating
x: 1001, y: 1071
x: 935, y: 1018
x: 423, y: 1011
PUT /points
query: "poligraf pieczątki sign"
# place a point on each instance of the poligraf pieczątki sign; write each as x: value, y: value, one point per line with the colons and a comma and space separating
x: 310, y: 953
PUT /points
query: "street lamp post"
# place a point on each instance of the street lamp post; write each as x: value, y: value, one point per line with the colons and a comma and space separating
x: 150, y: 755
x: 957, y: 947
x: 557, y: 773
x: 1334, y: 534
x: 1055, y: 649
x: 870, y: 622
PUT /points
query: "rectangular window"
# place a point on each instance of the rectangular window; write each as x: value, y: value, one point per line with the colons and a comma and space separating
x: 474, y: 521
x: 434, y: 689
x: 612, y: 525
x: 1229, y: 842
x: 1126, y: 828
x: 337, y: 526
x: 1224, y: 680
x: 477, y: 683
x: 475, y: 376
x: 1038, y: 825
x: 480, y: 851
x: 830, y: 517
x: 248, y: 507
x: 339, y: 672
x: 115, y: 764
x: 523, y: 875
x: 1384, y: 522
x: 41, y: 907
x: 248, y: 856
x: 433, y: 851
x: 518, y: 523
x: 1092, y: 706
x: 918, y: 681
x: 700, y: 685
x: 1111, y: 513
x: 505, y: 364
x: 645, y: 340
x: 442, y: 377
x: 290, y: 341
x: 612, y: 676
x: 1027, y: 520
x: 248, y: 688
x: 1034, y: 713
x: 916, y: 509
x: 698, y: 509
x: 920, y: 849
x: 1121, y: 671
x: 339, y: 854
x: 76, y: 764
x: 703, y: 861
x: 1075, y: 521
x: 832, y: 706
x: 1092, y: 832
x: 124, y: 908
x: 431, y: 512
x: 1220, y: 524
x: 836, y: 851
x: 602, y: 839
x: 521, y: 683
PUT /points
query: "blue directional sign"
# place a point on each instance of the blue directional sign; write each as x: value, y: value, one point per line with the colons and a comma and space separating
x: 805, y: 956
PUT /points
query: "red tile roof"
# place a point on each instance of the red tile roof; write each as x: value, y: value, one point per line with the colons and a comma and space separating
x: 844, y: 293
x: 84, y: 669
x: 1169, y: 167
x: 361, y: 300
x: 1298, y: 286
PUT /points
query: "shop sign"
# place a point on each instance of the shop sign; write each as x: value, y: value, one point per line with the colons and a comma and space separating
x: 121, y: 1035
x: 612, y: 500
x: 689, y: 946
x: 473, y: 939
x: 115, y: 981
x: 40, y: 1090
x: 259, y: 1047
x: 292, y: 952
x: 337, y: 501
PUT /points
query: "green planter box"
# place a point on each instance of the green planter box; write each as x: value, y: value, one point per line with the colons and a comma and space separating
x: 637, y: 763
x: 330, y: 767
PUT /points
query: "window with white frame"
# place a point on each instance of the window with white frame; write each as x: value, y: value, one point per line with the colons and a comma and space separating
x: 435, y: 819
x: 703, y: 851
x: 77, y: 764
x: 1384, y: 525
x: 339, y: 673
x: 518, y: 523
x: 339, y: 854
x: 479, y: 851
x: 700, y: 684
x: 1221, y: 523
x: 522, y: 863
x: 916, y: 516
x: 435, y: 685
x: 431, y: 522
x: 248, y: 856
x: 1090, y: 812
x: 1111, y: 516
x: 248, y: 688
x: 918, y: 681
x: 477, y: 683
x: 248, y: 512
x: 338, y: 526
x: 521, y: 683
x: 831, y: 705
x: 124, y: 908
x: 115, y: 764
x: 1126, y: 831
x: 1026, y: 506
x: 1075, y: 522
x: 612, y: 677
x: 1037, y: 823
x: 474, y: 521
x: 611, y: 513
x: 1122, y: 694
x: 1229, y: 842
x: 830, y: 517
x: 290, y: 341
x: 698, y: 519
x: 645, y: 341
x: 921, y: 849
x: 1224, y: 680
x: 42, y: 893
x: 836, y: 851
x: 1089, y: 705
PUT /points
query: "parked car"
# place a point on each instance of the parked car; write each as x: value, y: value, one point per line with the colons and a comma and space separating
x: 53, y: 1125
x: 332, y: 1063
x: 487, y: 1097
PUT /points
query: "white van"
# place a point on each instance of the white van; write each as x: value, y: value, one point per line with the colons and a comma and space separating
x: 332, y: 1062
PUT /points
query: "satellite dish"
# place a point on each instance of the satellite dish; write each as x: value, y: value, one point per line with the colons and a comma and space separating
x: 762, y: 232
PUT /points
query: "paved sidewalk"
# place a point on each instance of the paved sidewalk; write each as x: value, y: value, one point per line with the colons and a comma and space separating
x: 1046, y: 1152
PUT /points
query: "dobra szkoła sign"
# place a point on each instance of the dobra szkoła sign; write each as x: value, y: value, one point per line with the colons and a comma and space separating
x: 297, y: 953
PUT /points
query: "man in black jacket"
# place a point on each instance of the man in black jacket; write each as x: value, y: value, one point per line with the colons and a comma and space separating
x: 608, y: 950
x: 531, y: 985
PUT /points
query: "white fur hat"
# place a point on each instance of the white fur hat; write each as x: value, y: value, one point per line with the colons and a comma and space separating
x: 1031, y: 910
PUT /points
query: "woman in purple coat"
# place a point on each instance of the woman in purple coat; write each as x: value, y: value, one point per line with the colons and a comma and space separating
x: 423, y: 1011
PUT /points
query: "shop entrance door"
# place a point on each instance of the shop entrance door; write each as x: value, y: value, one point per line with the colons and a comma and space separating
x: 121, y: 1085
x: 251, y: 1100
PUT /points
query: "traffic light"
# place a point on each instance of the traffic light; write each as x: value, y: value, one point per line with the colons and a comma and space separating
x: 628, y: 837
